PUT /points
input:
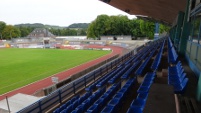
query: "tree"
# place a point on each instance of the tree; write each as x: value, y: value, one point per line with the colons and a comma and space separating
x: 163, y: 28
x: 135, y: 28
x: 83, y: 32
x: 24, y: 31
x: 121, y: 25
x: 90, y: 30
x: 100, y: 25
x: 2, y: 26
x: 11, y: 32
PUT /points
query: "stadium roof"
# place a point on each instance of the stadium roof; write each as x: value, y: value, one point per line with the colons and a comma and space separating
x: 161, y: 10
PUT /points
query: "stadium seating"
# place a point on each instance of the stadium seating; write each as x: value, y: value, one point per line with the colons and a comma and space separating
x: 172, y: 54
x: 102, y: 81
x: 138, y: 104
x: 119, y: 74
x: 130, y: 70
x: 177, y: 78
x: 139, y: 71
x: 107, y: 92
x: 157, y: 60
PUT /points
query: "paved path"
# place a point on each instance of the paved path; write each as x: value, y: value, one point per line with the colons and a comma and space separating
x: 33, y: 87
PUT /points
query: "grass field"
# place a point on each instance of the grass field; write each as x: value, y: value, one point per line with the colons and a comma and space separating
x: 19, y: 67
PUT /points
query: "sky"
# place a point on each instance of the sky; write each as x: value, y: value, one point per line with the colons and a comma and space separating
x: 54, y: 12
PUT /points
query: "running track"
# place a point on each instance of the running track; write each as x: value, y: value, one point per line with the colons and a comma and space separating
x: 33, y: 87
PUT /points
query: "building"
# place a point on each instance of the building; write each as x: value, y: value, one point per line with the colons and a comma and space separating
x: 40, y: 32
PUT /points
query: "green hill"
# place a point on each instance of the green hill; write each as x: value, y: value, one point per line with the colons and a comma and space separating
x: 39, y: 25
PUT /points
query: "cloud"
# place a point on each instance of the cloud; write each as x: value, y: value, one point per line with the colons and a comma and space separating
x: 54, y: 12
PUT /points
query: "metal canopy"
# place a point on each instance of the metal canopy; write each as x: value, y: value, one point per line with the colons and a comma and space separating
x: 161, y: 10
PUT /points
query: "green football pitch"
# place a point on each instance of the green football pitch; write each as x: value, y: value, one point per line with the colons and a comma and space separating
x: 19, y: 67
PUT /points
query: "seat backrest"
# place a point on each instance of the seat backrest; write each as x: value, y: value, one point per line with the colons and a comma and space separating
x: 184, y: 82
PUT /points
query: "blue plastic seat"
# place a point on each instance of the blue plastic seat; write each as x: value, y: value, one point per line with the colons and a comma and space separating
x: 134, y: 110
x: 143, y: 89
x: 81, y: 99
x: 138, y: 103
x: 74, y: 111
x: 181, y: 88
x: 86, y: 105
x: 57, y: 110
x: 176, y: 80
x: 62, y: 107
x: 124, y: 91
x: 69, y: 109
x: 115, y: 103
x: 67, y: 103
x: 79, y: 108
x: 72, y: 100
x: 108, y: 109
x: 93, y: 109
x: 119, y: 96
x: 142, y: 96
x: 75, y: 104
x: 63, y: 111
x: 91, y: 87
x: 99, y: 103
x: 91, y: 99
x: 147, y: 82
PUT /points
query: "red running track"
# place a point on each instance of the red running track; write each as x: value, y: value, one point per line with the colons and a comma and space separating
x: 33, y: 87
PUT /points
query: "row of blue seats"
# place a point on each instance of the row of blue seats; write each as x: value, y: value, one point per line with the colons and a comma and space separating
x: 138, y: 58
x: 81, y: 104
x: 114, y: 75
x: 172, y: 54
x: 141, y: 68
x: 119, y: 74
x: 138, y: 104
x: 107, y: 76
x: 145, y: 53
x: 170, y: 45
x: 177, y: 78
x: 82, y: 107
x: 157, y: 60
x: 130, y: 70
x: 134, y: 61
x: 141, y: 56
x: 68, y: 103
x: 130, y: 60
x: 97, y: 105
x: 114, y: 105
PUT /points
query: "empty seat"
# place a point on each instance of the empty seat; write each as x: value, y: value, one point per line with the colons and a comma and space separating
x: 99, y: 103
x: 176, y: 79
x: 57, y: 110
x: 93, y: 109
x: 139, y: 103
x: 69, y: 109
x: 75, y: 104
x: 119, y: 96
x: 86, y: 105
x: 134, y: 110
x: 181, y: 88
x: 108, y: 109
x: 79, y: 109
x: 115, y: 103
x: 143, y: 89
x: 142, y: 96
